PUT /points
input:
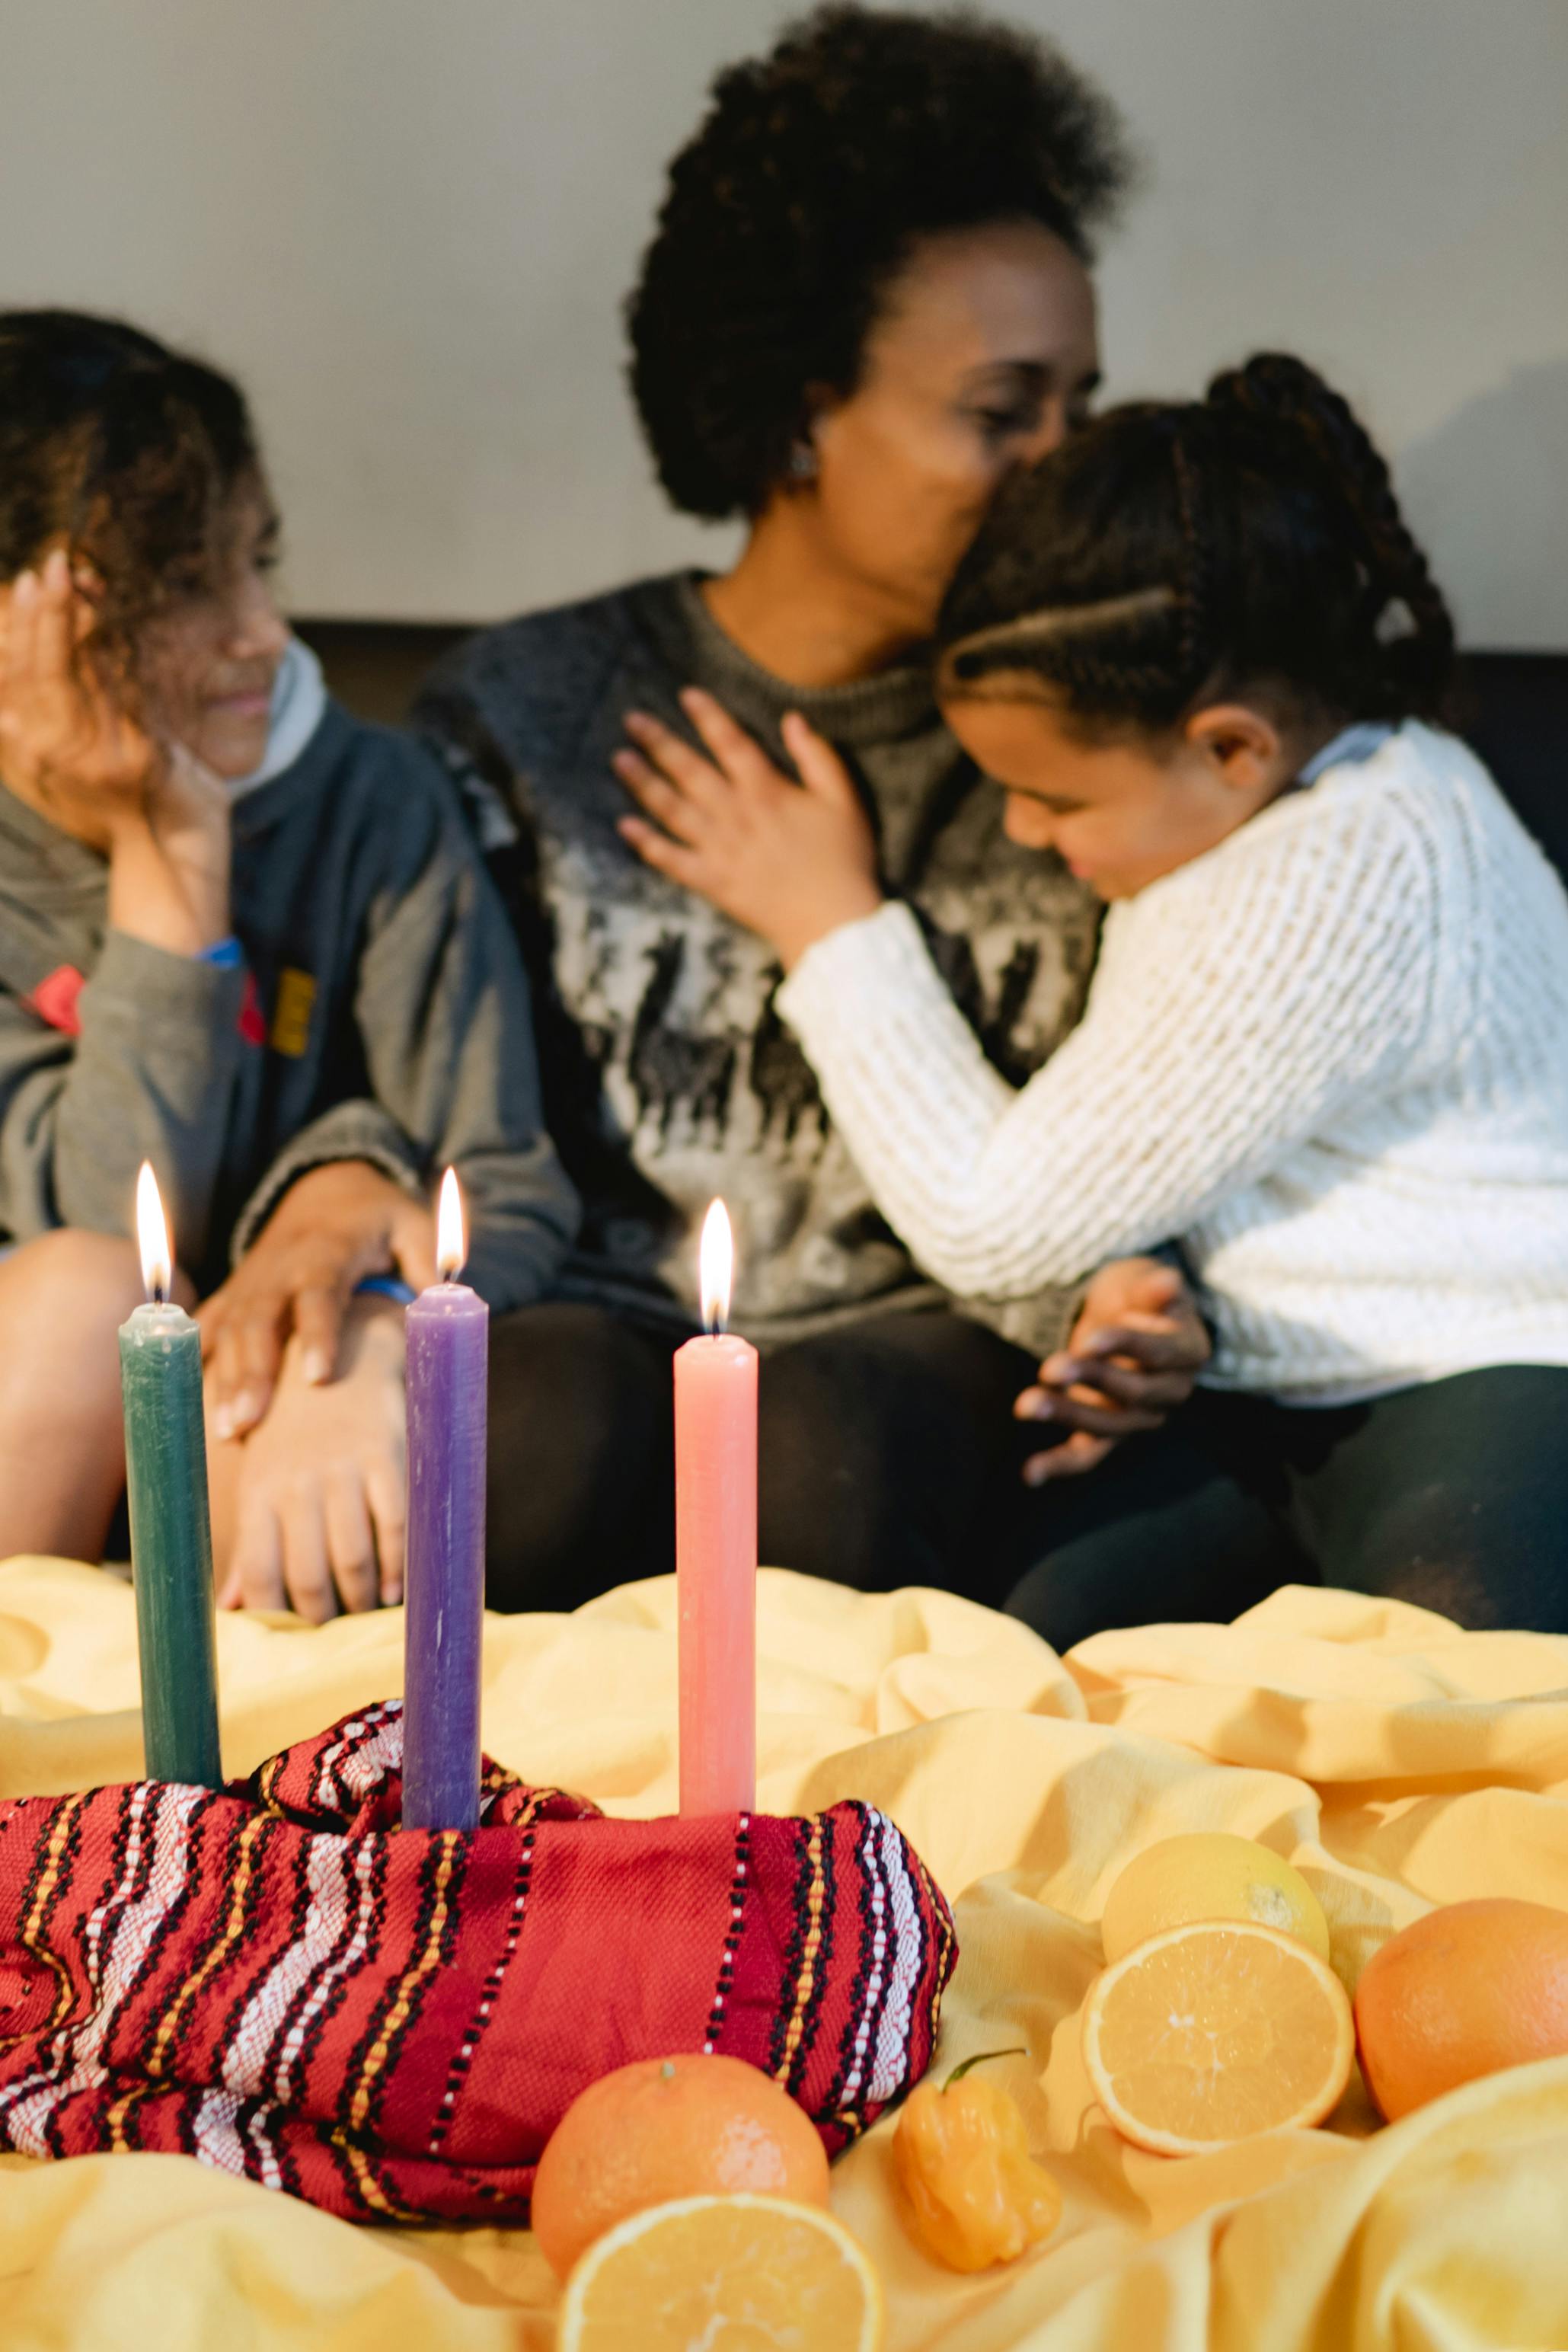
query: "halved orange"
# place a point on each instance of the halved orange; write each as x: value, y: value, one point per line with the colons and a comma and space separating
x: 722, y: 2271
x: 1215, y: 2030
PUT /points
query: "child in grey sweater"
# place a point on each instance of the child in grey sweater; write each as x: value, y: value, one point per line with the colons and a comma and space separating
x: 242, y: 936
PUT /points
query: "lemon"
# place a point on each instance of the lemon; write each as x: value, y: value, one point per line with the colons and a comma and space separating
x: 1210, y: 1875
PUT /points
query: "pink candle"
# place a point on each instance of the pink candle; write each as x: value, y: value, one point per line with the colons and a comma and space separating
x: 715, y: 1547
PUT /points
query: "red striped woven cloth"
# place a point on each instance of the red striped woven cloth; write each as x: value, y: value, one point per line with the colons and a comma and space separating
x: 278, y: 1980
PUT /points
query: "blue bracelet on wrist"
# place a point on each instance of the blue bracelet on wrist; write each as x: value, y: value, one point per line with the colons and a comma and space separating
x: 384, y: 1286
x: 227, y: 954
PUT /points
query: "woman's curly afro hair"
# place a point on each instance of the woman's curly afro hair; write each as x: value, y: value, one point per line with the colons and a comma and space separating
x: 788, y: 212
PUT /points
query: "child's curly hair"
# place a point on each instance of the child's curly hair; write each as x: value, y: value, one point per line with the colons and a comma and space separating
x: 125, y: 451
x: 1250, y: 540
x: 794, y: 207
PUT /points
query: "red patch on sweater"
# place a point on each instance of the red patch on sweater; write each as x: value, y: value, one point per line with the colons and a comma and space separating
x: 54, y: 999
x: 251, y: 1024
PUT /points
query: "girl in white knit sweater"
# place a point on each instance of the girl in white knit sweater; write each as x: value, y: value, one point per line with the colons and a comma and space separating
x: 1326, y: 1044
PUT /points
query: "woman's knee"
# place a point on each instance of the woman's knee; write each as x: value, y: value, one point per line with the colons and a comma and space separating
x: 581, y: 1480
x: 572, y: 1381
x: 806, y: 1391
x: 850, y: 1482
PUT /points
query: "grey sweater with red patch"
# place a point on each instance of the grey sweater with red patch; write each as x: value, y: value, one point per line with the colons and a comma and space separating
x: 380, y: 1013
x: 669, y: 1075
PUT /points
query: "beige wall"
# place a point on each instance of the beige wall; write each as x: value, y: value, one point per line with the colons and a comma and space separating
x: 409, y: 228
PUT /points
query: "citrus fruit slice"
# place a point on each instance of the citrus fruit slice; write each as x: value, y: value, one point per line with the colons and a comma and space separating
x: 722, y: 2271
x: 1210, y: 1875
x: 1208, y: 2033
x: 666, y: 2127
x: 1466, y: 1991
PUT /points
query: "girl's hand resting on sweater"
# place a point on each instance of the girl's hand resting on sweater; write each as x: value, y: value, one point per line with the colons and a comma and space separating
x: 790, y: 860
x: 1137, y: 1349
x: 333, y: 1226
x: 307, y: 1511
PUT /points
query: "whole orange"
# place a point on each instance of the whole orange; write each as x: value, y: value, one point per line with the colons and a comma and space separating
x: 1466, y: 1991
x: 669, y: 2127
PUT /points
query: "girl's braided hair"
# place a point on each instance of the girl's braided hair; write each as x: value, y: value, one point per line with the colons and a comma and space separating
x: 125, y: 451
x: 1167, y: 553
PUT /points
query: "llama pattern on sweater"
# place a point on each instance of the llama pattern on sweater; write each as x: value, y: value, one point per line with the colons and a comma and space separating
x: 675, y: 1069
x: 702, y: 1087
x: 670, y: 1075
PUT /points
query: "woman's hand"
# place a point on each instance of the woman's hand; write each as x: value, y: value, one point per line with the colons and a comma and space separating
x: 333, y: 1226
x: 1137, y: 1349
x: 69, y: 751
x: 309, y: 1510
x: 790, y: 863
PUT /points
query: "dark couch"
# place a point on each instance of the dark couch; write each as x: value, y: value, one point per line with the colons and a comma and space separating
x: 1517, y: 719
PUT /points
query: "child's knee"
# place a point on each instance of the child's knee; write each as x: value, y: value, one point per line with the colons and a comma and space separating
x: 73, y: 1289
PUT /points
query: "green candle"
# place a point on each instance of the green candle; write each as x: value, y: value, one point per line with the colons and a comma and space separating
x: 170, y: 1529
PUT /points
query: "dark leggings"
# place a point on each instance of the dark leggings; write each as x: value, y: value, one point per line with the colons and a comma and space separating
x: 1454, y: 1495
x: 888, y: 1455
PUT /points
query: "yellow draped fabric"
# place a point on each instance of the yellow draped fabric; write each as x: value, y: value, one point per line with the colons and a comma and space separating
x: 1398, y: 1762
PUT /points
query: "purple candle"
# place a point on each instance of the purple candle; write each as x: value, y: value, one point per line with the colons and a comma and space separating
x: 448, y: 1365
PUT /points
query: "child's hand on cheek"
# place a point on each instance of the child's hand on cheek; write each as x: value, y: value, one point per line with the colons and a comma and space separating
x: 791, y: 861
x: 69, y: 751
x: 65, y: 746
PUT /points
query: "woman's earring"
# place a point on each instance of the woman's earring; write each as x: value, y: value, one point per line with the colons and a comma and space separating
x: 803, y: 462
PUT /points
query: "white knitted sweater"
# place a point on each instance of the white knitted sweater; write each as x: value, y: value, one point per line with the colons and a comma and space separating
x: 1331, y: 1055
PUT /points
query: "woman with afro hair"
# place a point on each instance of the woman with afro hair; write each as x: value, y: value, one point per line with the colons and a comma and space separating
x: 866, y: 303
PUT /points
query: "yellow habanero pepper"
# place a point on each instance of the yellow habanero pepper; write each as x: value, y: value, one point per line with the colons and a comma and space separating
x: 975, y: 2195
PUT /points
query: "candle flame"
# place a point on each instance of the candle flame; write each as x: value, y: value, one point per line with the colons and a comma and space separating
x: 451, y: 1241
x: 715, y: 1263
x: 152, y: 1237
